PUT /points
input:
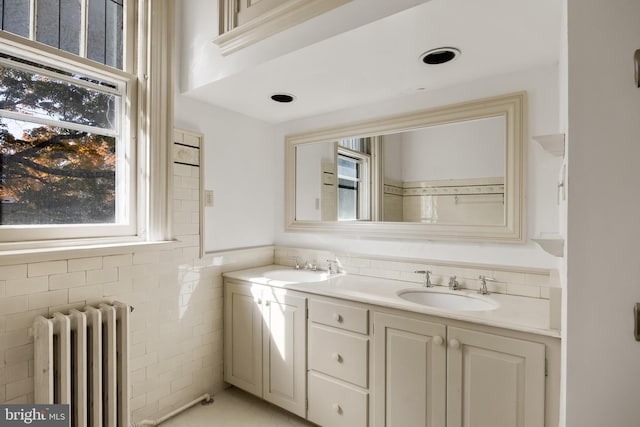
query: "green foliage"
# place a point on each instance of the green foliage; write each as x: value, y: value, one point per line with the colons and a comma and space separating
x: 49, y: 174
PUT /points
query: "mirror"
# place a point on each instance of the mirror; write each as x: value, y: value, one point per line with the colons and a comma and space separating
x: 448, y: 173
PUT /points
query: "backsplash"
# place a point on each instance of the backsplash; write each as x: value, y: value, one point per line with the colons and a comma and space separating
x: 520, y: 281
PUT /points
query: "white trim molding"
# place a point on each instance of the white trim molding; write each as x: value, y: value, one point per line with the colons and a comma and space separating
x: 234, y: 37
x: 513, y: 230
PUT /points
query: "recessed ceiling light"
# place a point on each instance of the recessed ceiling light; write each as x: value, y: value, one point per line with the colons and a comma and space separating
x: 439, y: 55
x: 282, y: 97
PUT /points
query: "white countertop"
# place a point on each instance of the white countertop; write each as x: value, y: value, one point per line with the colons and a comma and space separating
x: 513, y: 312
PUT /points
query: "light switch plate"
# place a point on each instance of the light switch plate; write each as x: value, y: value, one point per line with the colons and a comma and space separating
x: 636, y: 60
x: 636, y: 326
x: 208, y: 198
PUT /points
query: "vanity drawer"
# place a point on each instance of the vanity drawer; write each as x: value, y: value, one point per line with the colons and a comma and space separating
x: 333, y: 404
x: 339, y: 355
x: 341, y: 316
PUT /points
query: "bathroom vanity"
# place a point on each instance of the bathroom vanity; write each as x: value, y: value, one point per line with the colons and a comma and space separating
x: 348, y: 350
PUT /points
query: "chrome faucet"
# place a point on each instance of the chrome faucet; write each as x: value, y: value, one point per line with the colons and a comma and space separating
x: 427, y: 277
x: 453, y: 283
x: 297, y: 260
x: 330, y: 263
x: 483, y: 284
x: 308, y: 265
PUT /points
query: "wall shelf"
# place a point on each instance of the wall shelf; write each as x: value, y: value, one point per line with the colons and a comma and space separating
x: 551, y: 243
x: 554, y: 144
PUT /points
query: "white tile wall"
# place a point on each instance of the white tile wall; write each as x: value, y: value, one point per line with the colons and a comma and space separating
x: 176, y: 327
x: 520, y: 281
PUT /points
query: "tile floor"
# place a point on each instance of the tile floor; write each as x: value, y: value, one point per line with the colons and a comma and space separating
x: 235, y: 408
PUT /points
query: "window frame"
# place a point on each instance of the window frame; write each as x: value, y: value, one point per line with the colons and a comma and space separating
x: 148, y: 106
x: 363, y: 182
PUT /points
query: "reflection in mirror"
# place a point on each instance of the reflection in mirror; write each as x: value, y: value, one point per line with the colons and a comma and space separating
x: 446, y: 174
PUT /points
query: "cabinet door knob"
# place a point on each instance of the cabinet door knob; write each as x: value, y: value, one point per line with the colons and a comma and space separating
x: 454, y: 343
x: 337, y: 317
x: 437, y: 340
x: 258, y: 301
x: 337, y: 408
x: 267, y: 303
x: 337, y: 357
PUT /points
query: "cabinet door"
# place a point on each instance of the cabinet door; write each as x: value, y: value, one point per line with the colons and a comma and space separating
x: 243, y: 337
x: 284, y: 349
x: 409, y: 379
x: 494, y: 381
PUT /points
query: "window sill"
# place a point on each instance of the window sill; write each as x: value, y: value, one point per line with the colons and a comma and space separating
x: 42, y: 254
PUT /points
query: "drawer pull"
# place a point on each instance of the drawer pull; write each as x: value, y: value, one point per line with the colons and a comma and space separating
x: 454, y: 343
x: 437, y: 340
x: 337, y: 357
x: 337, y: 408
x: 337, y: 317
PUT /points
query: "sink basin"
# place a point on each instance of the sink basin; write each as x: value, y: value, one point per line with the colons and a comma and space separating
x: 296, y: 276
x: 448, y: 301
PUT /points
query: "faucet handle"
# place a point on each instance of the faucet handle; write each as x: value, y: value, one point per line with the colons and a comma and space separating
x: 297, y: 260
x: 427, y: 277
x: 330, y: 267
x: 483, y: 284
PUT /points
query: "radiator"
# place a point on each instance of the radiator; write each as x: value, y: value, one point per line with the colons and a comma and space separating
x: 81, y: 359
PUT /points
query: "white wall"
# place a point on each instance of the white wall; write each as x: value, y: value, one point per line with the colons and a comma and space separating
x: 473, y: 149
x: 203, y: 62
x: 541, y: 85
x: 239, y: 168
x: 603, y: 262
x: 238, y: 150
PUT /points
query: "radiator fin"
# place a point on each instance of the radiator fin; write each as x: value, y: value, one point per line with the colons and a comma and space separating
x: 81, y: 358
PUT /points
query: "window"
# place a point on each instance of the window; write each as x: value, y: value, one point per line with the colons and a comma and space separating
x: 74, y: 162
x: 353, y: 180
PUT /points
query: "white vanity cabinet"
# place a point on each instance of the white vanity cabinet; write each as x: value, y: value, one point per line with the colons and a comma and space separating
x: 265, y: 343
x: 338, y: 359
x: 431, y: 374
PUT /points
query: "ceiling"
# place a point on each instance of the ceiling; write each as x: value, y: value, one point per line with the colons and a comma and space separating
x: 380, y: 60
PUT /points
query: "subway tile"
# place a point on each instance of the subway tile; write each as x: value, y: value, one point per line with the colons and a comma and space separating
x: 102, y: 276
x: 14, y: 372
x: 509, y: 277
x: 13, y: 272
x: 86, y: 293
x: 46, y: 299
x: 137, y: 402
x: 80, y: 264
x: 143, y: 361
x: 14, y: 339
x: 23, y: 320
x: 523, y: 290
x: 117, y: 260
x: 3, y: 287
x: 19, y: 353
x: 19, y: 388
x: 20, y: 400
x: 67, y: 280
x: 150, y: 257
x: 16, y: 304
x: 32, y: 285
x: 536, y: 279
x: 46, y: 268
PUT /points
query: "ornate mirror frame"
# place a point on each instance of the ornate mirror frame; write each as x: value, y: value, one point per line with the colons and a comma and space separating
x: 511, y: 106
